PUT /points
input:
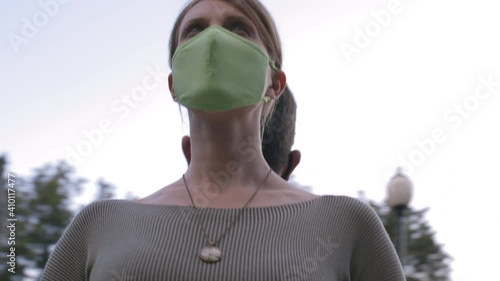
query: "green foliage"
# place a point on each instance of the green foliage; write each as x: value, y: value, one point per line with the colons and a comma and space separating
x: 424, y: 257
x: 43, y: 212
x: 49, y: 203
x: 22, y: 250
x: 105, y: 190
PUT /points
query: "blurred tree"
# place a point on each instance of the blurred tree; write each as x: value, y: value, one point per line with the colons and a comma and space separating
x: 43, y: 212
x: 425, y: 259
x: 23, y: 252
x: 105, y: 190
x: 131, y: 196
x: 53, y: 187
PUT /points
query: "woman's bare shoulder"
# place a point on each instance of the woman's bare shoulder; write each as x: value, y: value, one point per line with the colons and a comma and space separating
x: 172, y: 194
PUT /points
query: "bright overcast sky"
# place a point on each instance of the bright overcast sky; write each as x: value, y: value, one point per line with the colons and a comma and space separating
x: 418, y: 88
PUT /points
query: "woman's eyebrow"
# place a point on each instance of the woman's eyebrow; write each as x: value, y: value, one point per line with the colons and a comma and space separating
x: 190, y: 22
x: 233, y: 18
x: 205, y: 21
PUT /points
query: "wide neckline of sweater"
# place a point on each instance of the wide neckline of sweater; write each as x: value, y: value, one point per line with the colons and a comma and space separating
x: 259, y: 208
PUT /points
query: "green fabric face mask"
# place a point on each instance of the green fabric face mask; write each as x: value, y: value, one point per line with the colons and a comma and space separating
x: 218, y: 70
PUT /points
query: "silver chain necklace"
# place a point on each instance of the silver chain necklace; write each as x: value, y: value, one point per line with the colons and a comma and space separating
x: 211, y: 253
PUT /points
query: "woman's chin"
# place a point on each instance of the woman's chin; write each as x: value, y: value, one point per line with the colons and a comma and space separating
x: 226, y: 113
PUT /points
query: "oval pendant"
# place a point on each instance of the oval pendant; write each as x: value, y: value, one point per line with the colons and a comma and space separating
x: 210, y: 254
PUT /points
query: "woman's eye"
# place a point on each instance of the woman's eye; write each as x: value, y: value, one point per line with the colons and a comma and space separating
x: 240, y: 29
x: 192, y: 30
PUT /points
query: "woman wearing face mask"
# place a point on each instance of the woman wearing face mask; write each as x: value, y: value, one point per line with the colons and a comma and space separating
x: 229, y: 216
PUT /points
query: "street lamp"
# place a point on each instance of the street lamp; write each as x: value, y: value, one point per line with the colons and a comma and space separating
x: 399, y: 192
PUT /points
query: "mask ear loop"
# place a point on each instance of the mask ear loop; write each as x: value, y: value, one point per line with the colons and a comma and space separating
x: 267, y: 99
x: 273, y: 65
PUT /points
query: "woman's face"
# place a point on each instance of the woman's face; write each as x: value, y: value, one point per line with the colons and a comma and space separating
x: 215, y: 12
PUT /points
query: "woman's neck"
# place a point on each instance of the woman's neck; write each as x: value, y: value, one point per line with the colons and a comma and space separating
x: 226, y: 152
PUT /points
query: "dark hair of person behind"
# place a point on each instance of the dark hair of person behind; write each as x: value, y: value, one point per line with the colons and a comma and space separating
x: 279, y: 134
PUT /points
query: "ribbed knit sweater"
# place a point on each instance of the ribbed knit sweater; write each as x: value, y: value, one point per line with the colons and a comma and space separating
x: 327, y: 238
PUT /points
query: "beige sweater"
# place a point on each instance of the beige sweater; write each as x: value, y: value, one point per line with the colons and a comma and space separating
x: 327, y: 238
